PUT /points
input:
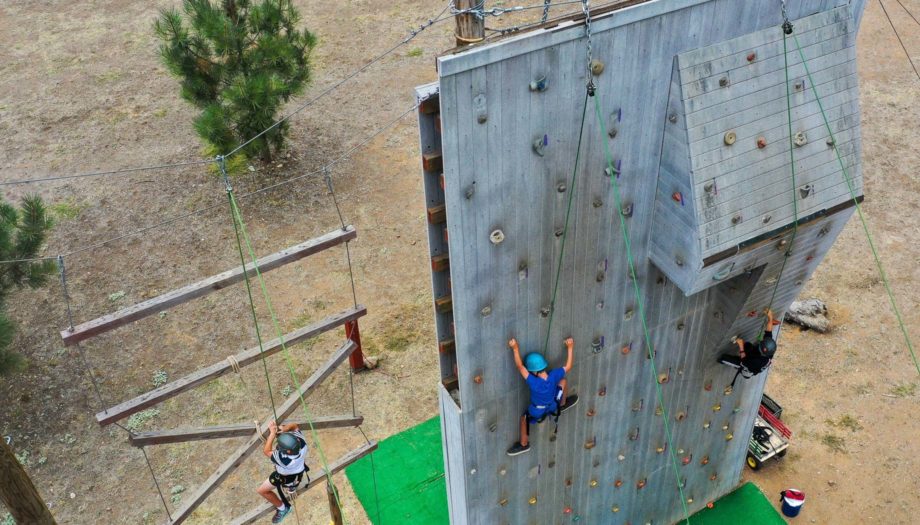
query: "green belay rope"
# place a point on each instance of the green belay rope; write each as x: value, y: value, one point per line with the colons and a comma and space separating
x: 241, y: 227
x: 565, y: 228
x: 635, y: 282
x: 862, y: 219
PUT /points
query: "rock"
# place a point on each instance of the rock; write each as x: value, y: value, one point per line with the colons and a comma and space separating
x: 810, y: 314
x: 72, y: 495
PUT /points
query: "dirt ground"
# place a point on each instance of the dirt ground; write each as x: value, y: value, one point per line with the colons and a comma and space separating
x: 81, y: 89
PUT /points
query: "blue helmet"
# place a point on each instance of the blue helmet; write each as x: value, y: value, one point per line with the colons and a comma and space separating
x: 535, y: 362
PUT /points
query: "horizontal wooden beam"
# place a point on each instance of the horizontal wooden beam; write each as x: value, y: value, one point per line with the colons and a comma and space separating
x: 432, y: 161
x: 440, y: 263
x: 181, y: 435
x: 444, y: 304
x: 211, y: 284
x: 255, y: 442
x: 446, y: 346
x: 437, y: 214
x: 264, y: 509
x: 216, y: 370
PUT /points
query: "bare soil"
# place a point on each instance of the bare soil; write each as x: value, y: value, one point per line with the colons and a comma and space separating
x: 81, y: 89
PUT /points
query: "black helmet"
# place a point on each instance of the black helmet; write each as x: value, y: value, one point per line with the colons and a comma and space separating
x: 288, y: 443
x: 768, y: 347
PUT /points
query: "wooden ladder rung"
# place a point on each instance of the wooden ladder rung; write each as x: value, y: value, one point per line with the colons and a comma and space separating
x: 432, y: 161
x: 429, y: 106
x: 444, y: 304
x: 446, y: 346
x: 451, y: 383
x: 440, y: 263
x: 437, y: 214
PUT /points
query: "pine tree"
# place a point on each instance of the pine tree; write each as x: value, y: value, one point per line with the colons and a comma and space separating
x: 238, y: 62
x: 22, y: 233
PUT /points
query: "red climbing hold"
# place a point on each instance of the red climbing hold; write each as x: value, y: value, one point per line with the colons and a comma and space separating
x: 678, y: 197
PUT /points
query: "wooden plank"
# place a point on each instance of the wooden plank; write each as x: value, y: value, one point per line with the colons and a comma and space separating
x: 444, y: 304
x: 216, y: 370
x: 437, y: 214
x: 181, y: 435
x: 451, y: 383
x: 440, y: 263
x: 255, y: 442
x: 446, y: 346
x: 264, y: 509
x: 211, y: 284
x: 432, y: 161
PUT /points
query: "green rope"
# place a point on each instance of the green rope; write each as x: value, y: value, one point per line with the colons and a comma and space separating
x: 635, y: 282
x: 795, y: 204
x: 862, y: 219
x: 565, y: 228
x: 255, y: 320
x: 238, y: 219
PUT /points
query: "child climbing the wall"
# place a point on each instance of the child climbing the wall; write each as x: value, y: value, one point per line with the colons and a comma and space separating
x: 289, y: 458
x: 548, y: 391
x: 753, y: 358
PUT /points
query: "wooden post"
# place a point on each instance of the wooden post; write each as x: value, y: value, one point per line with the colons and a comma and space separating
x: 356, y: 359
x: 335, y: 513
x: 18, y: 493
x: 470, y: 27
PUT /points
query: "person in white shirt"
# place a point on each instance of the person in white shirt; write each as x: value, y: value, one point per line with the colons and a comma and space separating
x: 287, y: 449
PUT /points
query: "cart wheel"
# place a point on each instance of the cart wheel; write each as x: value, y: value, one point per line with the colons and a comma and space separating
x: 782, y: 452
x: 753, y: 462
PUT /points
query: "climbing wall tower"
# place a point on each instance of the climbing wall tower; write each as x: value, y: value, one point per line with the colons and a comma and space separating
x: 696, y: 99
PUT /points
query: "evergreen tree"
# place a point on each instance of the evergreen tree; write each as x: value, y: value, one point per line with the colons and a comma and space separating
x: 22, y: 233
x: 238, y: 62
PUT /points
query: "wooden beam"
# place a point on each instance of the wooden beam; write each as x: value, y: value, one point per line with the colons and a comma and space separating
x: 181, y: 435
x: 18, y: 493
x: 432, y: 161
x: 446, y: 346
x: 341, y: 463
x: 255, y: 442
x: 440, y: 263
x: 216, y: 370
x: 437, y: 214
x: 444, y: 304
x: 211, y: 284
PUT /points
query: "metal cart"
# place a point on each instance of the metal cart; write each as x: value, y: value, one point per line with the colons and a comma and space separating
x: 770, y: 437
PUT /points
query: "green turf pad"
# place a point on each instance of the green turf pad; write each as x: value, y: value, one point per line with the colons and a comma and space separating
x: 410, y: 478
x: 746, y: 505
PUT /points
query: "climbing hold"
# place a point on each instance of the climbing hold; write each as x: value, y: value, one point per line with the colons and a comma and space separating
x: 781, y: 244
x: 634, y: 434
x: 800, y: 139
x: 472, y: 472
x: 522, y: 271
x: 602, y: 392
x: 680, y: 451
x: 824, y: 231
x: 539, y: 145
x: 597, y: 67
x: 538, y: 85
x: 672, y: 118
x: 728, y: 390
x: 713, y: 478
x: 680, y: 415
x: 590, y: 443
x: 532, y: 500
x: 761, y: 142
x: 641, y: 483
x: 597, y: 345
x: 600, y: 276
x: 687, y: 459
x: 615, y: 508
x: 593, y: 483
x: 660, y: 449
x: 723, y: 272
x: 729, y: 437
x: 752, y: 313
x: 689, y: 500
x: 503, y: 502
x: 560, y: 187
x: 544, y: 312
x: 729, y: 138
x: 568, y: 482
x: 620, y: 457
x: 497, y: 236
x: 680, y: 326
x: 576, y: 518
x: 486, y: 311
x: 600, y: 305
x: 596, y: 463
x: 659, y: 410
x: 678, y: 197
x: 736, y: 218
x: 725, y: 426
x: 664, y: 377
x: 752, y: 56
x: 469, y: 192
x: 551, y: 464
x: 705, y: 460
x: 626, y: 349
x: 766, y: 218
x: 799, y: 85
x: 612, y: 132
x: 618, y: 483
x: 628, y: 314
x: 597, y: 203
x: 736, y: 409
x: 806, y: 190
x: 678, y: 261
x: 710, y: 504
x: 559, y: 232
x: 829, y: 142
x: 477, y: 379
x: 809, y: 258
x: 716, y: 407
x: 591, y: 412
x: 567, y: 510
x: 723, y: 82
x: 611, y: 170
x: 627, y: 210
x: 637, y: 406
x: 482, y: 118
x: 492, y: 428
x: 708, y: 386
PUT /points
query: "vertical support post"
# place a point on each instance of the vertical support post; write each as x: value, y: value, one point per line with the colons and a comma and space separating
x: 471, y: 27
x: 18, y: 493
x: 335, y: 513
x: 356, y: 359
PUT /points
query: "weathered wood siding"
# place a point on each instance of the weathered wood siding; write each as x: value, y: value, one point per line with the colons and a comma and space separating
x: 494, y: 179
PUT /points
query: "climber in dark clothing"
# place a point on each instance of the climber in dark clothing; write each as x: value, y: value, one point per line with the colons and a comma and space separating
x: 753, y: 358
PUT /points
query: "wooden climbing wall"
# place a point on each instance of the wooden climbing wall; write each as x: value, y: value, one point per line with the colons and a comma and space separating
x: 497, y: 162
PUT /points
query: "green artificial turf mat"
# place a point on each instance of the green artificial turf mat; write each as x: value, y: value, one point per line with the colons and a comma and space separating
x: 410, y: 478
x: 746, y: 505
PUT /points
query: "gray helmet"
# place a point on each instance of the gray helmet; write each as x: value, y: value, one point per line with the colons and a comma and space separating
x: 768, y: 347
x: 288, y: 443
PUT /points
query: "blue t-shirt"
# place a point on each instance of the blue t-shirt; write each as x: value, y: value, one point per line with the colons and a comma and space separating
x: 543, y: 391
